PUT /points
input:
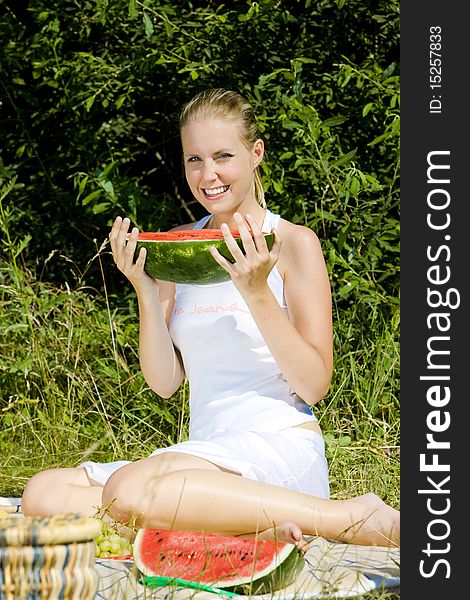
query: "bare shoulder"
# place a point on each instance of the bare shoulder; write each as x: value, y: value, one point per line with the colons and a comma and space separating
x: 300, y: 245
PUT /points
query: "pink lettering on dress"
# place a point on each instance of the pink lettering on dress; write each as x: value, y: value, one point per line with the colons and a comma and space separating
x: 199, y: 309
x: 177, y: 311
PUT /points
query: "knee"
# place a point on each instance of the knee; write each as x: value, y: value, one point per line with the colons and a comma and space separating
x: 38, y: 494
x: 130, y: 495
x: 121, y: 495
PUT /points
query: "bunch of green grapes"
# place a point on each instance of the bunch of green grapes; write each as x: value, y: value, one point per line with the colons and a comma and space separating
x: 109, y: 543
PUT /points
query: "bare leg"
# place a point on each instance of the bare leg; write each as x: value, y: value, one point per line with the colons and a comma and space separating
x: 61, y: 491
x: 163, y: 492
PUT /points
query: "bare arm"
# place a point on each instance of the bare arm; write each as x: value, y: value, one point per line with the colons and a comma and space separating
x: 301, y: 343
x: 159, y: 360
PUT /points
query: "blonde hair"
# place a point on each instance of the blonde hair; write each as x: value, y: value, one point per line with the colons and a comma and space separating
x: 229, y: 105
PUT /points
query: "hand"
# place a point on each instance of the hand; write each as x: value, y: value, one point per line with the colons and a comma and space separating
x: 250, y: 270
x: 123, y: 247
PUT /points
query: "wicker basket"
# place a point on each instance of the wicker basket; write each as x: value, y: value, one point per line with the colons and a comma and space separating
x: 48, y: 558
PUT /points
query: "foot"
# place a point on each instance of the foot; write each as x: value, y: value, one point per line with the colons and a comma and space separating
x: 372, y: 522
x: 288, y: 532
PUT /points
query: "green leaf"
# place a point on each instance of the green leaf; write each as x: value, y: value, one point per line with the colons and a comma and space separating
x: 20, y: 150
x: 378, y: 139
x: 148, y: 25
x: 108, y: 169
x: 89, y: 103
x: 22, y: 245
x: 355, y: 186
x: 389, y: 70
x: 341, y: 239
x: 288, y: 124
x: 91, y: 196
x: 344, y: 159
x: 108, y: 187
x: 334, y: 121
x: 120, y: 101
x: 346, y: 289
x: 169, y: 29
x: 101, y: 207
x: 82, y: 185
x: 132, y: 9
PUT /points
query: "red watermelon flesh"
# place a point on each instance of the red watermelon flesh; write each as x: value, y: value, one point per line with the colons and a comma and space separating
x: 231, y: 563
x: 185, y: 234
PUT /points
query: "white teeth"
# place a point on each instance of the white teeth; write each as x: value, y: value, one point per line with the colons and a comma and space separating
x: 215, y: 191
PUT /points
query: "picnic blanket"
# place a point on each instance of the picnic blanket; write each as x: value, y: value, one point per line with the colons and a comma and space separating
x: 332, y: 570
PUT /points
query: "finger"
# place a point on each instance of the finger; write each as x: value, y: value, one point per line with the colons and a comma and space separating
x: 223, y: 262
x: 130, y: 248
x: 114, y: 231
x: 119, y: 233
x: 116, y: 246
x: 123, y: 229
x: 232, y: 245
x: 140, y: 262
x: 259, y: 241
x: 115, y: 228
x: 120, y: 241
x: 245, y: 234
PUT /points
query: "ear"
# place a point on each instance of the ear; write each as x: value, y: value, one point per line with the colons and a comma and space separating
x: 258, y: 152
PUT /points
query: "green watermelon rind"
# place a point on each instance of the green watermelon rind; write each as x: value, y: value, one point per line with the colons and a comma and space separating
x: 285, y: 566
x: 188, y: 261
x: 288, y: 562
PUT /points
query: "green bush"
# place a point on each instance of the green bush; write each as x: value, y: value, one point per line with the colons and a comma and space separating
x: 88, y: 129
x: 89, y: 121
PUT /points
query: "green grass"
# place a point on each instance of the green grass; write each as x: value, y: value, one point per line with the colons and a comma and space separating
x: 71, y: 390
x: 360, y: 415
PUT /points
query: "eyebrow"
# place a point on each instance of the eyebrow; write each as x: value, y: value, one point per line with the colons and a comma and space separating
x: 222, y: 151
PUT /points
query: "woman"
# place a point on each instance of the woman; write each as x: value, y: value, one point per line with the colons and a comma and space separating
x: 257, y: 352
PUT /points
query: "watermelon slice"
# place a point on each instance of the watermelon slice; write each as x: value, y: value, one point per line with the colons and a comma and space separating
x: 246, y: 566
x: 183, y: 255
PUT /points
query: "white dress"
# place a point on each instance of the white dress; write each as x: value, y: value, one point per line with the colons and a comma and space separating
x: 243, y: 412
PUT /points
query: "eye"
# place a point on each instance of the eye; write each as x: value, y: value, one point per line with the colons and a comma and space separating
x: 224, y: 156
x: 193, y: 159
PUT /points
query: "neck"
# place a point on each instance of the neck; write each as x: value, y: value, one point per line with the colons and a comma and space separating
x: 216, y: 220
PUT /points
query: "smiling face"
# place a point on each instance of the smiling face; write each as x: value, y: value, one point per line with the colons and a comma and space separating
x: 219, y: 167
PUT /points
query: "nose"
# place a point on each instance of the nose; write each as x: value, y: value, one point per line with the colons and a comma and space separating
x: 209, y: 172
